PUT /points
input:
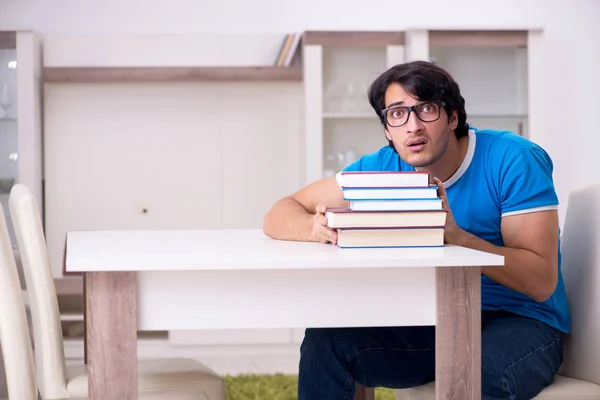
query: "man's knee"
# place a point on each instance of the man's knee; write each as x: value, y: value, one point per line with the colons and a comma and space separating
x: 323, y: 343
x: 495, y: 385
x: 512, y: 384
x: 317, y: 341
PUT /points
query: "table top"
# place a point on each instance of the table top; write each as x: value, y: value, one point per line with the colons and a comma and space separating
x: 243, y: 249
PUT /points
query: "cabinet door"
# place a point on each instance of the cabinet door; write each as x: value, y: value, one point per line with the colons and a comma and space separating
x: 131, y: 157
x: 8, y: 119
x: 20, y: 116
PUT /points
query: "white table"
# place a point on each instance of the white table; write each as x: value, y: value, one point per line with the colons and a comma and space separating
x: 220, y: 279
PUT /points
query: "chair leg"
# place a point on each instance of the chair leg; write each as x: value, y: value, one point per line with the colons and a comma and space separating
x: 364, y: 393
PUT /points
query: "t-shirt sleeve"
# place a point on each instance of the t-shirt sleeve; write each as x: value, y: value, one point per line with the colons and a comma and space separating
x: 367, y: 162
x: 527, y: 185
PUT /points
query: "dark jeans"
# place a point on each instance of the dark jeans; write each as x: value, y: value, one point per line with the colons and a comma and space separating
x: 520, y: 356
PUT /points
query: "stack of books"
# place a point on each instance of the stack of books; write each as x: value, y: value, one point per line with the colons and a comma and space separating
x: 388, y: 209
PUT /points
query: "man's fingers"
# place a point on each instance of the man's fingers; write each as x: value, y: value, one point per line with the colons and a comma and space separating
x: 321, y: 208
x: 320, y: 219
x: 323, y: 232
x: 442, y: 193
x: 327, y: 235
x: 441, y: 188
x: 444, y: 203
x: 332, y: 233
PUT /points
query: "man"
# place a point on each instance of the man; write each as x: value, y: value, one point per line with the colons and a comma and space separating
x: 498, y: 189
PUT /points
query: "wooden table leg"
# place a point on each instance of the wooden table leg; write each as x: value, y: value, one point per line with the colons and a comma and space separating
x: 364, y: 393
x: 458, y: 333
x: 111, y: 331
x: 84, y: 322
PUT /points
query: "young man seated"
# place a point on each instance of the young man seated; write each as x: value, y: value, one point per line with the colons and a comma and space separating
x: 498, y: 190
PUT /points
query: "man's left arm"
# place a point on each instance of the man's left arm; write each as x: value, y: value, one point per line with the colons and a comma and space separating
x: 529, y: 226
x: 530, y: 253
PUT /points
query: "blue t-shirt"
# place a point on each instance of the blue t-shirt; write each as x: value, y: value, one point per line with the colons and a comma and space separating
x: 502, y: 174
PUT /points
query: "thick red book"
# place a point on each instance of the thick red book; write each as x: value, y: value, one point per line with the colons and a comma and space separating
x: 339, y: 218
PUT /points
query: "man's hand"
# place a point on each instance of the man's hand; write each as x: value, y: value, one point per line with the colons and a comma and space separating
x: 301, y: 215
x: 320, y: 231
x: 453, y: 234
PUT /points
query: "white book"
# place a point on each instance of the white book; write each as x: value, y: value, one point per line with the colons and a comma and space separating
x: 367, y: 179
x: 390, y: 193
x: 395, y: 205
x: 349, y: 238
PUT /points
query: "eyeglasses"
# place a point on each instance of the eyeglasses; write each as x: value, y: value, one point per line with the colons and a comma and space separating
x: 397, y: 116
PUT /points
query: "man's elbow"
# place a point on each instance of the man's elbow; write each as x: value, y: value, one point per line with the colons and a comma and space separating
x: 545, y: 288
x: 267, y: 225
x: 541, y: 295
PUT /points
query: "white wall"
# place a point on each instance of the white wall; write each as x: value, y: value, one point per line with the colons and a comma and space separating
x: 226, y: 16
x: 570, y: 56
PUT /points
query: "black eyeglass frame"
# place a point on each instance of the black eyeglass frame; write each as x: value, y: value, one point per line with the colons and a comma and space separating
x: 410, y: 109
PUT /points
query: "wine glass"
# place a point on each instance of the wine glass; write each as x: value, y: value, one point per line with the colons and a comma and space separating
x: 333, y: 97
x: 5, y: 100
x: 349, y: 99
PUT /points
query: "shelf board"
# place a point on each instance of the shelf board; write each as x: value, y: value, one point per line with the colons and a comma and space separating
x: 353, y: 38
x: 8, y: 40
x: 507, y: 38
x: 9, y: 119
x: 170, y: 74
x: 342, y: 115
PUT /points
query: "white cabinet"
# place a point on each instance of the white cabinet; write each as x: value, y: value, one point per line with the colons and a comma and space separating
x: 197, y: 140
x: 492, y: 69
x: 20, y: 115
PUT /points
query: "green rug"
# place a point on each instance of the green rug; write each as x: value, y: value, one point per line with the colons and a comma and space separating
x: 275, y: 387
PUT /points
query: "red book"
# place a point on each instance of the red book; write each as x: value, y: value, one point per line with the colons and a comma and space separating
x: 339, y: 218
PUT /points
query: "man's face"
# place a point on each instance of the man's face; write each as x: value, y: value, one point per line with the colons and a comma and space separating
x: 418, y: 143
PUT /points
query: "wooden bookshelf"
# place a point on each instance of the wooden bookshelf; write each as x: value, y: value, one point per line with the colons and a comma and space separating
x: 442, y: 38
x: 171, y: 74
x: 8, y: 40
x: 355, y: 38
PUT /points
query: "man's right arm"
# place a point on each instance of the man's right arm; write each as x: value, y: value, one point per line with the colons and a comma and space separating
x: 300, y: 215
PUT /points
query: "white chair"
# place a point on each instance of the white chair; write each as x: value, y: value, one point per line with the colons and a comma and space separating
x: 14, y: 331
x: 3, y: 387
x: 16, y: 340
x: 579, y: 376
x: 54, y: 378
